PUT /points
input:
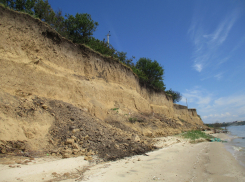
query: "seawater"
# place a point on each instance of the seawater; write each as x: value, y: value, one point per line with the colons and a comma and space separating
x: 236, y: 145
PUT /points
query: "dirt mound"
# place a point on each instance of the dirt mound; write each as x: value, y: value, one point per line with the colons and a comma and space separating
x: 73, y: 132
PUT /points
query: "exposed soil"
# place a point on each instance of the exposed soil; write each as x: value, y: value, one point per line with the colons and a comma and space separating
x: 62, y: 99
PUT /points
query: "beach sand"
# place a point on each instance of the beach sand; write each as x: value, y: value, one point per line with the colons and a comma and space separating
x: 178, y: 160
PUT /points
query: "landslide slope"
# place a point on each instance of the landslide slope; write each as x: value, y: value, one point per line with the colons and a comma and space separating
x: 65, y: 99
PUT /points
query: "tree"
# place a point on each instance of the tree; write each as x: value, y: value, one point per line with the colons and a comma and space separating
x: 80, y: 27
x: 176, y: 96
x: 59, y: 23
x: 20, y: 5
x: 152, y: 73
x: 44, y: 12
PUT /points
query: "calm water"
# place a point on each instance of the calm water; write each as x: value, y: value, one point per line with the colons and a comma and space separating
x: 237, y: 143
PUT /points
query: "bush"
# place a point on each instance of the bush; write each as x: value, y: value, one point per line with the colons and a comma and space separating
x: 196, y: 134
x: 176, y: 96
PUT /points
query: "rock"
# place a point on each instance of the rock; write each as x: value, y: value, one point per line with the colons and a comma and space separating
x: 148, y: 133
x: 3, y: 151
x: 86, y: 137
x: 89, y: 153
x: 73, y: 137
x: 136, y: 138
x: 75, y: 146
x: 54, y: 151
x: 72, y: 128
x: 88, y: 158
x: 117, y: 146
x: 45, y: 107
x: 19, y: 162
x: 75, y: 151
x: 70, y: 141
x: 66, y: 155
x: 75, y: 130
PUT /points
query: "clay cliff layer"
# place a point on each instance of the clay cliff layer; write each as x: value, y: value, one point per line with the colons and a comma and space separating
x: 44, y: 75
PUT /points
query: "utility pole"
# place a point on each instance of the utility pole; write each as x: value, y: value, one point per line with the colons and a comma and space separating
x: 108, y: 37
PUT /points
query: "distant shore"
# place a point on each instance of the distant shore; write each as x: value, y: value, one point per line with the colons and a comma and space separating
x: 178, y: 160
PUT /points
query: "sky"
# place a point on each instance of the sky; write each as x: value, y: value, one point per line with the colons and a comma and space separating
x: 200, y: 45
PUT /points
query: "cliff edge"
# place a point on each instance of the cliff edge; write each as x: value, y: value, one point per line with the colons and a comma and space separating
x: 67, y: 100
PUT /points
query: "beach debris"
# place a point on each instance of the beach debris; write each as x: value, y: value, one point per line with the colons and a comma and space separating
x: 217, y: 140
x: 155, y: 178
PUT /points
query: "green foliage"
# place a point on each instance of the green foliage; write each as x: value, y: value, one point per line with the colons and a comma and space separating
x: 132, y: 120
x: 195, y: 134
x: 20, y: 5
x: 114, y: 109
x: 122, y: 56
x: 150, y: 73
x: 142, y: 76
x: 100, y: 46
x: 80, y: 28
x: 44, y: 12
x: 176, y: 96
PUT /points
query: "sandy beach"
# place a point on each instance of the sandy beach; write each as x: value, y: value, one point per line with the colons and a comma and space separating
x: 178, y: 160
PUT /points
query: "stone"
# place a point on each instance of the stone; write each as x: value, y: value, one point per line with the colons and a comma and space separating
x: 86, y: 137
x: 148, y: 133
x: 75, y: 151
x: 70, y: 141
x: 3, y: 151
x: 75, y: 146
x: 136, y: 138
x: 75, y: 130
x: 54, y: 151
x: 66, y: 155
x: 72, y: 127
x: 88, y: 158
x: 45, y: 107
x: 117, y: 146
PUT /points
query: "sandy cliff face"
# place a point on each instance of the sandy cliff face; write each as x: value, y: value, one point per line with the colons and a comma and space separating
x: 37, y: 63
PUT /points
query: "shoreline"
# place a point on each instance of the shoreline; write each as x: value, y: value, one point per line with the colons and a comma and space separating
x: 176, y: 160
x: 206, y: 161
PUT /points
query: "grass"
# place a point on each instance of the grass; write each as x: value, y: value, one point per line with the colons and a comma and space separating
x: 114, y: 109
x: 132, y: 120
x: 196, y: 134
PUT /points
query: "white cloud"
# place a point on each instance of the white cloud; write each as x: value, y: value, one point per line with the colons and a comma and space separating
x: 198, y: 67
x: 218, y: 76
x: 212, y: 109
x: 197, y: 96
x: 207, y: 44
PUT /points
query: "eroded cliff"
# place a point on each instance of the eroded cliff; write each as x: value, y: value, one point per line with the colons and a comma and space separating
x: 68, y: 100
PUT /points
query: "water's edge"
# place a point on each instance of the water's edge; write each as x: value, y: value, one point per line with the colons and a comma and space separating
x: 236, y: 144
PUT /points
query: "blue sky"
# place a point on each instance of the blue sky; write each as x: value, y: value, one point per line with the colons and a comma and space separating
x: 200, y: 44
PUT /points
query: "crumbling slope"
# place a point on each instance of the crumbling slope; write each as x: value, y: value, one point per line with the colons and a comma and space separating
x: 66, y: 99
